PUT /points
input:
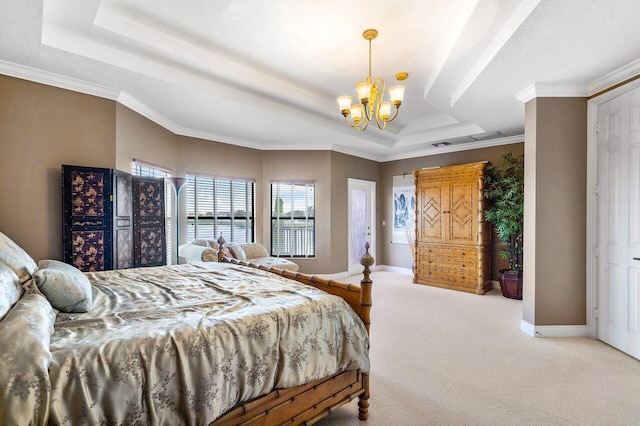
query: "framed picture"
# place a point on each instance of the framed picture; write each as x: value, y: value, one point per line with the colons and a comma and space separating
x: 404, y: 209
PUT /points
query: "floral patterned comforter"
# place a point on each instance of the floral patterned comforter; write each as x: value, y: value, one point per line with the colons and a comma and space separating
x: 183, y: 344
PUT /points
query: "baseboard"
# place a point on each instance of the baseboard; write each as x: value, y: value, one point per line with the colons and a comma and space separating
x: 554, y: 330
x: 396, y: 269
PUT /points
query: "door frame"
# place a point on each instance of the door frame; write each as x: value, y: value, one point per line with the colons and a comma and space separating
x: 592, y: 201
x: 372, y: 207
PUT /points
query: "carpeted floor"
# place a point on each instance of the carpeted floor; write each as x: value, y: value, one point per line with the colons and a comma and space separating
x: 442, y: 357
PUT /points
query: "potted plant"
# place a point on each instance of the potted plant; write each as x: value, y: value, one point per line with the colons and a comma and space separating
x: 504, y: 189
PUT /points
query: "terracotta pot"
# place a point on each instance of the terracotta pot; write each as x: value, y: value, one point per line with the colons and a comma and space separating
x: 511, y: 283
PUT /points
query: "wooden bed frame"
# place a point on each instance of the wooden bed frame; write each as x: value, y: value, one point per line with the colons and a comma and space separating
x: 309, y: 403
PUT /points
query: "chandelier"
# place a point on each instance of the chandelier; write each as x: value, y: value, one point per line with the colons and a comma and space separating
x: 371, y: 105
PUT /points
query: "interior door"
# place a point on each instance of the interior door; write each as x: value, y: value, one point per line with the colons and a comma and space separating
x: 618, y: 295
x: 361, y: 208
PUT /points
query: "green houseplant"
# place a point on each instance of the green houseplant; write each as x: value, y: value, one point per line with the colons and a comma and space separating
x: 504, y: 189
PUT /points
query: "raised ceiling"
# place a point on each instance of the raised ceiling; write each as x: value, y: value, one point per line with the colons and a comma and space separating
x: 266, y: 74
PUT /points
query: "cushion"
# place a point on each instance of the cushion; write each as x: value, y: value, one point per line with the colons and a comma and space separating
x: 237, y: 251
x: 203, y: 243
x: 10, y: 289
x: 276, y: 262
x: 197, y: 253
x: 210, y: 255
x: 254, y: 250
x: 68, y: 289
x: 213, y: 244
x: 15, y: 258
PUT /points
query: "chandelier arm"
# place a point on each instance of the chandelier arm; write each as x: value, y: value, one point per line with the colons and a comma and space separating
x: 350, y: 122
x: 366, y: 124
x: 394, y: 115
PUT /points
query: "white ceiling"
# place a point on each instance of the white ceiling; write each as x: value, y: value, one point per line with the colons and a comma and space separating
x: 266, y: 74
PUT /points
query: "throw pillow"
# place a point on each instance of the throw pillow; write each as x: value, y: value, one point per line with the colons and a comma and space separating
x: 16, y: 258
x: 66, y: 288
x: 237, y: 251
x: 10, y: 289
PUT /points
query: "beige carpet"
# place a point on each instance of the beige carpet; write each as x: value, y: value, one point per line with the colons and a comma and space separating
x: 442, y: 357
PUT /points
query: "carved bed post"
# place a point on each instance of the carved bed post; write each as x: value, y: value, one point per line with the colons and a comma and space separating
x: 365, y: 304
x: 221, y: 242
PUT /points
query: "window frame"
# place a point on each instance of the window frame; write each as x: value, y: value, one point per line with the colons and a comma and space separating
x: 309, y: 219
x: 193, y: 217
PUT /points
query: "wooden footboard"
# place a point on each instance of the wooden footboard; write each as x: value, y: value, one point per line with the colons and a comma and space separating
x: 309, y: 403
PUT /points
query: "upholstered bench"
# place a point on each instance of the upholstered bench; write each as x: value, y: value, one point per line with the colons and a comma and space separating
x: 208, y: 251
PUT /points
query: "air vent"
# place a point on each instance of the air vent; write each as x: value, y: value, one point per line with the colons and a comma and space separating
x: 487, y: 136
x: 443, y: 143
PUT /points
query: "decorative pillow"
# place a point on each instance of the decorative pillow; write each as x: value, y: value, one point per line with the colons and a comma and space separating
x: 203, y: 243
x: 10, y: 289
x: 237, y: 251
x: 15, y: 258
x: 68, y: 289
x: 254, y: 250
x: 226, y: 251
x: 210, y: 255
x: 25, y: 334
x: 214, y: 244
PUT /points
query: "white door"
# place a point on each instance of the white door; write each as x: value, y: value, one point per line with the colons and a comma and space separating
x: 618, y: 295
x: 361, y: 208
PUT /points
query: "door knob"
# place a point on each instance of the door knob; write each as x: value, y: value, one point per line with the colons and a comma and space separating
x: 636, y: 258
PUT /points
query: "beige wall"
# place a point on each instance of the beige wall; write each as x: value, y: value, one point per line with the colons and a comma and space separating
x: 344, y: 167
x: 303, y: 166
x: 42, y: 128
x: 556, y: 179
x: 197, y: 156
x: 138, y: 138
x: 400, y: 254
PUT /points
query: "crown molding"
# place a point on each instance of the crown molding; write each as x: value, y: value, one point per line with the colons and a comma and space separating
x: 551, y: 91
x: 69, y: 83
x: 455, y: 148
x: 614, y: 77
x: 57, y: 80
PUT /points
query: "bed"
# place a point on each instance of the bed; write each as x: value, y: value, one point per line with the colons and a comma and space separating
x: 210, y: 343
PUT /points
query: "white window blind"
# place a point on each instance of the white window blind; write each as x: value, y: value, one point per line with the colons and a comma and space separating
x: 143, y: 169
x: 220, y: 206
x: 293, y: 228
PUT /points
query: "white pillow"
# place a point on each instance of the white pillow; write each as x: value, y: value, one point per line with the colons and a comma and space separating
x: 10, y: 289
x: 66, y: 288
x: 15, y: 258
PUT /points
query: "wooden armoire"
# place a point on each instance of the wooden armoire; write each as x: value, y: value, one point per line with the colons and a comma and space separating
x: 453, y: 241
x: 112, y: 219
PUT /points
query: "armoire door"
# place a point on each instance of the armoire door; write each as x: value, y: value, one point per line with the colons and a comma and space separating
x: 431, y: 211
x: 462, y: 202
x: 149, y: 221
x: 122, y: 220
x: 87, y: 217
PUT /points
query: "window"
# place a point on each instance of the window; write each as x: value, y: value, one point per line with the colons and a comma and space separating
x: 148, y: 170
x: 218, y: 205
x: 293, y: 225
